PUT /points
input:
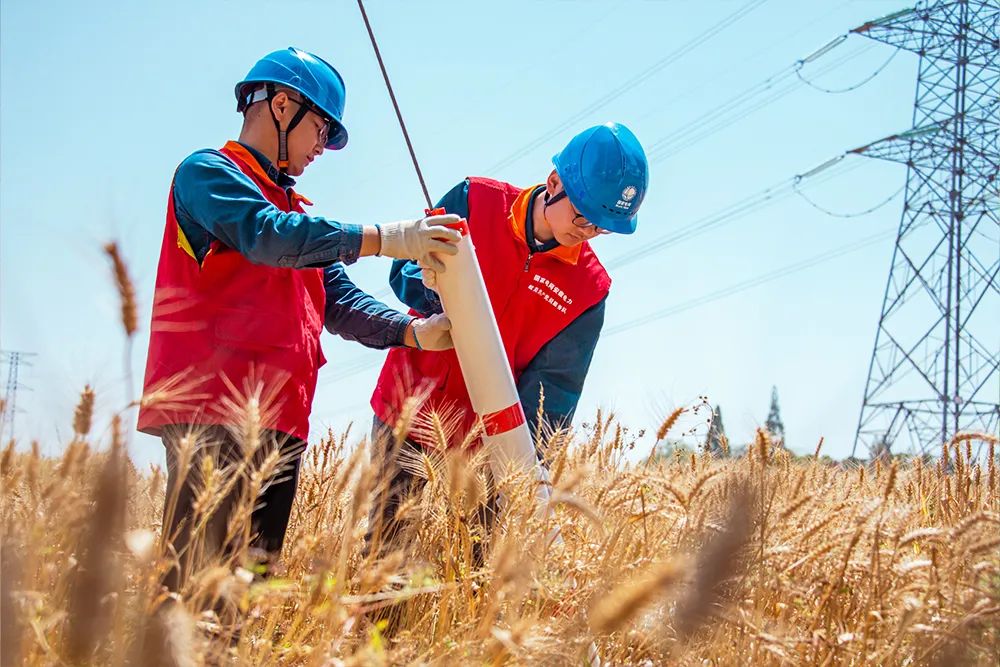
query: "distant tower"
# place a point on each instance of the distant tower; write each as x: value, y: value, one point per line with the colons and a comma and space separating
x: 714, y: 441
x: 13, y: 361
x: 935, y: 369
x: 774, y: 425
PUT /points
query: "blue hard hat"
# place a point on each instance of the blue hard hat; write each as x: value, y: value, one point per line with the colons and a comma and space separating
x: 309, y: 74
x: 605, y: 174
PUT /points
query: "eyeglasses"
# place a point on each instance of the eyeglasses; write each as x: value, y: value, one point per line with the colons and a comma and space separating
x: 582, y: 223
x: 323, y: 132
x: 579, y: 221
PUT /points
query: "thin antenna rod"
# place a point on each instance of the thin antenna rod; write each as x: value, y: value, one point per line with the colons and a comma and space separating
x: 395, y: 105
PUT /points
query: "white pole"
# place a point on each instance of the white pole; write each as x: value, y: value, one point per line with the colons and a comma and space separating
x: 487, y: 373
x: 489, y: 379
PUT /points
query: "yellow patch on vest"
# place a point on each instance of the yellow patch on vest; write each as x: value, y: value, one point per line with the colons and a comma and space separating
x: 184, y: 244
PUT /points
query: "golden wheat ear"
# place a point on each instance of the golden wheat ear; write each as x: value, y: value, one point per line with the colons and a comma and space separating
x: 84, y: 413
x: 126, y: 289
x: 90, y: 613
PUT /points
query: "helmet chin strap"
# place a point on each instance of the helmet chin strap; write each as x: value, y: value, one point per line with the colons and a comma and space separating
x: 549, y: 200
x: 283, y: 134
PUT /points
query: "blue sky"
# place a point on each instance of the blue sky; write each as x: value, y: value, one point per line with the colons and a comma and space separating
x: 99, y: 103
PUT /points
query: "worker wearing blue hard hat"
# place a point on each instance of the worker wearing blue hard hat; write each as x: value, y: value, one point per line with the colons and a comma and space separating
x: 245, y: 284
x: 320, y: 85
x: 548, y: 291
x: 604, y: 173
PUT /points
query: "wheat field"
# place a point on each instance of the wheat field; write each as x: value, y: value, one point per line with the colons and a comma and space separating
x: 677, y: 559
x: 686, y: 560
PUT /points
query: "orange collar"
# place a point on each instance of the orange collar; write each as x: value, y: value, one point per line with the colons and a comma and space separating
x: 519, y: 215
x: 247, y: 158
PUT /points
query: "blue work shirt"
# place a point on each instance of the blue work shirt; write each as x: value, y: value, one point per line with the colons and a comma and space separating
x: 560, y: 366
x: 214, y: 199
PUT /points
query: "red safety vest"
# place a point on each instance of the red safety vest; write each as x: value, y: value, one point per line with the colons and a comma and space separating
x: 227, y: 330
x: 532, y: 300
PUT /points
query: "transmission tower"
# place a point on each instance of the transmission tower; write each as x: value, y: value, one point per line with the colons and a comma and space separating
x: 935, y: 369
x: 13, y: 360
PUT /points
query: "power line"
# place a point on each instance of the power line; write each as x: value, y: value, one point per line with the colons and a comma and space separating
x: 696, y: 302
x: 733, y: 102
x: 717, y: 114
x: 447, y: 126
x: 749, y: 284
x: 934, y: 370
x: 740, y: 106
x: 856, y: 214
x: 616, y: 92
x: 705, y: 224
x: 728, y: 214
x: 740, y: 209
x: 837, y: 91
x: 772, y: 42
x: 688, y: 135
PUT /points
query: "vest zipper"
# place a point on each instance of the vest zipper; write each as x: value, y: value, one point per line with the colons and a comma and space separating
x: 527, y: 262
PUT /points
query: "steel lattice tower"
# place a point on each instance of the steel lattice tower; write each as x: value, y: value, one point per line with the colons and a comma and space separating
x: 14, y: 361
x: 935, y: 369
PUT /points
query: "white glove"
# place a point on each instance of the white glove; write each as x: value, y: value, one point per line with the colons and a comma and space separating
x: 416, y: 239
x: 428, y: 275
x: 433, y: 333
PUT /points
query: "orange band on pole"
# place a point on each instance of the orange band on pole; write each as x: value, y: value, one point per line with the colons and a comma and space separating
x: 504, y: 420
